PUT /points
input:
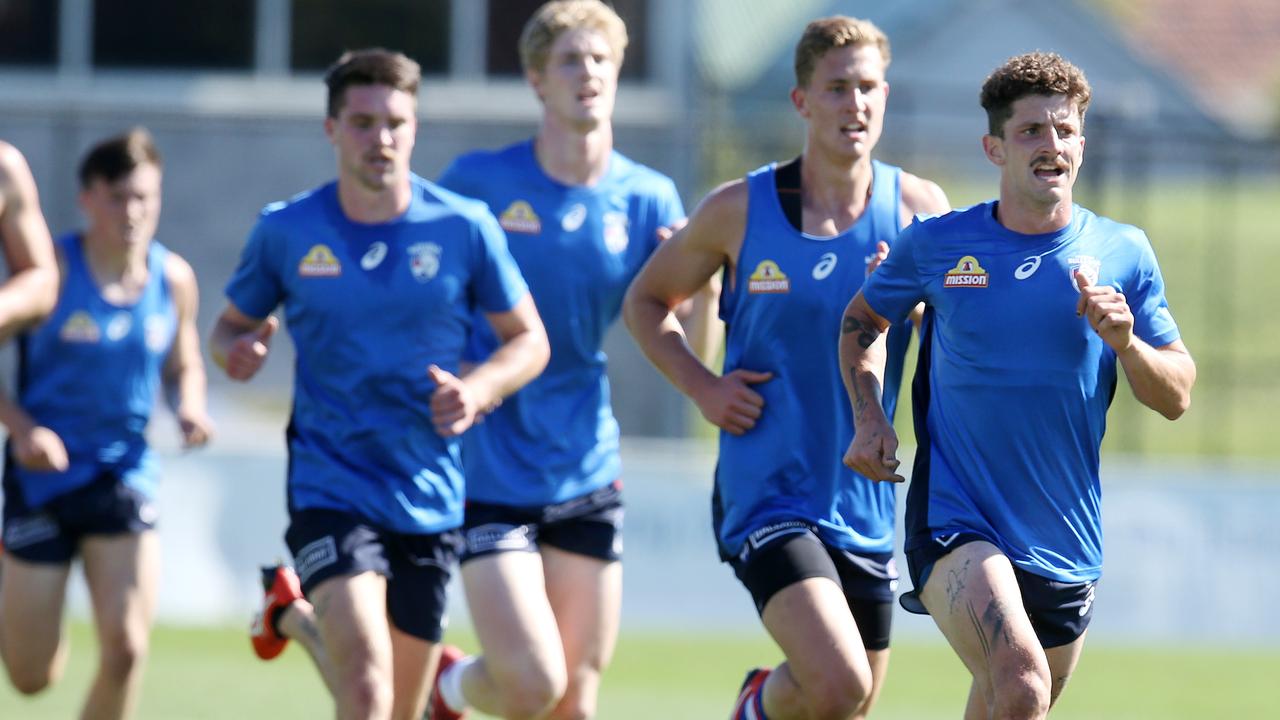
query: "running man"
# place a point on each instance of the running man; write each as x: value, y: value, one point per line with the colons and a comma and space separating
x: 79, y: 477
x: 810, y: 540
x: 541, y: 565
x: 381, y: 275
x: 1032, y: 300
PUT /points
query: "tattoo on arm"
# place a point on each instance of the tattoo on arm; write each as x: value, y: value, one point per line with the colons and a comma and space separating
x: 867, y: 334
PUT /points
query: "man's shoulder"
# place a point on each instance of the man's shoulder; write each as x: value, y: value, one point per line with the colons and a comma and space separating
x: 436, y: 202
x: 300, y: 205
x: 640, y: 178
x: 482, y: 163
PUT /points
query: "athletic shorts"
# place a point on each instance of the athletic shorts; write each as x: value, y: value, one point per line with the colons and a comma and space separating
x: 1060, y: 612
x: 589, y: 525
x: 329, y: 543
x: 782, y: 554
x: 51, y: 534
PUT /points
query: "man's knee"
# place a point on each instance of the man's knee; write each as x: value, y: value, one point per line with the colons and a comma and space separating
x: 1020, y: 696
x: 532, y: 690
x: 123, y: 654
x: 838, y: 693
x: 579, y: 700
x: 32, y: 679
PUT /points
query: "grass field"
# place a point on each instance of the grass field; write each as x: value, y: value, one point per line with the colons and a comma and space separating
x: 211, y: 674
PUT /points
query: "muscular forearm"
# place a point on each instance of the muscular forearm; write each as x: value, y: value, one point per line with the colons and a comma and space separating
x: 517, y: 361
x: 27, y: 297
x: 13, y: 417
x: 662, y: 340
x: 703, y: 330
x: 1161, y: 378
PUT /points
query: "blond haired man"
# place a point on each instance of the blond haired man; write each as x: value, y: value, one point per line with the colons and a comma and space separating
x: 811, y: 540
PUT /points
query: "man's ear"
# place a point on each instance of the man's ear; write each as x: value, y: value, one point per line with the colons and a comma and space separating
x: 993, y: 148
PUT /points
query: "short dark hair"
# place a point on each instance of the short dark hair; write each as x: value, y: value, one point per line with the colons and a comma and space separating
x: 370, y: 66
x: 1033, y: 73
x: 115, y: 157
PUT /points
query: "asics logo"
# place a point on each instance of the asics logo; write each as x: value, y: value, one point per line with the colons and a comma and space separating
x: 1029, y: 266
x: 374, y: 255
x: 825, y: 265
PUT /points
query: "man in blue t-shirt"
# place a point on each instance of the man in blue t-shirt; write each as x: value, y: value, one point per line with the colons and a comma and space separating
x: 810, y: 540
x: 541, y: 562
x: 381, y: 275
x: 1031, y: 302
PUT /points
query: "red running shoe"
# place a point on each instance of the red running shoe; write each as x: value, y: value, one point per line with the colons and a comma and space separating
x: 281, y: 587
x: 437, y: 708
x: 748, y: 704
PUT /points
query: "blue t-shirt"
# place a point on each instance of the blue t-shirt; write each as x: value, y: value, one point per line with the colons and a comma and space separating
x: 369, y: 307
x: 782, y: 313
x: 578, y: 247
x: 1012, y: 388
x: 90, y: 373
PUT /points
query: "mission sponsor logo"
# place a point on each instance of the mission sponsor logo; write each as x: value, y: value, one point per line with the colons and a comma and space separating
x: 967, y: 273
x: 768, y: 278
x: 519, y: 217
x: 319, y: 262
x: 80, y: 328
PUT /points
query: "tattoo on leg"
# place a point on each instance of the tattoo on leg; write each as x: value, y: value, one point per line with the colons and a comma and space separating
x: 956, y: 584
x: 866, y: 334
x: 995, y: 618
x: 978, y: 631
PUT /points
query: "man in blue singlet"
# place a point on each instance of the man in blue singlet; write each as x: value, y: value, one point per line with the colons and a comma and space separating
x: 79, y: 478
x: 381, y: 275
x: 30, y: 291
x: 811, y: 541
x: 541, y: 563
x: 1032, y: 301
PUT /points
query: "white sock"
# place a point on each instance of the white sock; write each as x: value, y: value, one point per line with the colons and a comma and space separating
x: 451, y: 684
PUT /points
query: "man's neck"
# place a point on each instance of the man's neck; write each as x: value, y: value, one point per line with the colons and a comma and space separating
x: 119, y: 275
x: 834, y: 192
x: 1033, y: 219
x: 363, y: 205
x: 573, y: 157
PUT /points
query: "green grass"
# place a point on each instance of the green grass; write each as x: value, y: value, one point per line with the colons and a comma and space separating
x: 202, y: 673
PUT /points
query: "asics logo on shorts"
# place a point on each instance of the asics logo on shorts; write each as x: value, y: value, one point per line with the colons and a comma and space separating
x: 315, y: 556
x: 499, y: 536
x: 26, y: 531
x: 1088, y: 602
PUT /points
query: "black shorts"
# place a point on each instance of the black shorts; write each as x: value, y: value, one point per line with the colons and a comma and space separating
x: 589, y: 525
x: 330, y: 543
x: 782, y: 554
x: 51, y: 534
x: 1059, y: 611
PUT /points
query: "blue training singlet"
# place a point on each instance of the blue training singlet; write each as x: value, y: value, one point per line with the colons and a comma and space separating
x: 90, y: 373
x: 369, y: 307
x: 782, y: 313
x: 578, y: 247
x: 1012, y: 388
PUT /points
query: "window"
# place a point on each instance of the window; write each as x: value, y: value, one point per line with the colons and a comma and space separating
x: 28, y: 32
x: 196, y: 34
x: 507, y: 19
x: 323, y: 29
